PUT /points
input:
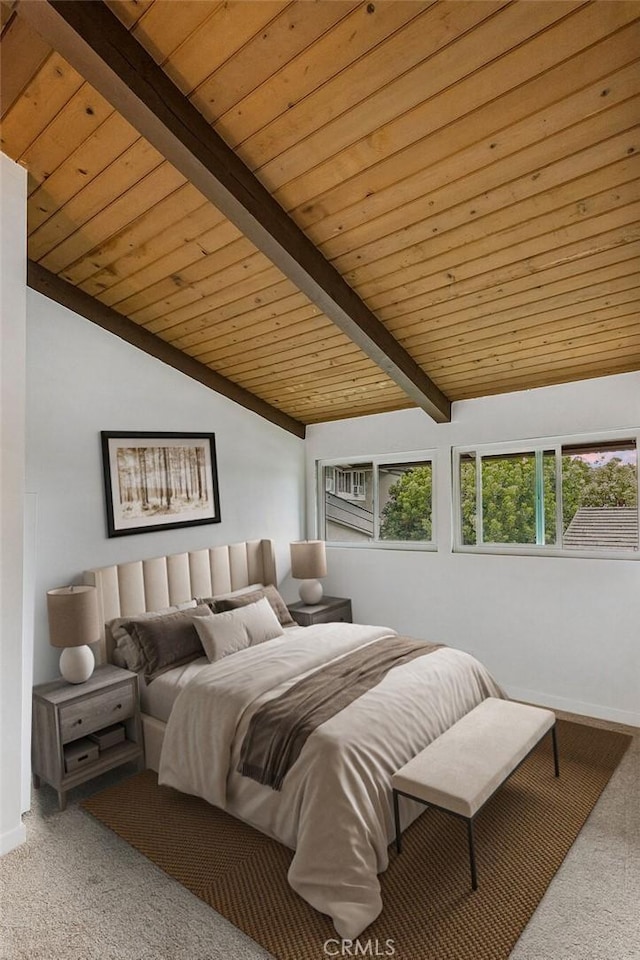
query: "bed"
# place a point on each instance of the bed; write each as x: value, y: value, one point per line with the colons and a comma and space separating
x: 333, y: 807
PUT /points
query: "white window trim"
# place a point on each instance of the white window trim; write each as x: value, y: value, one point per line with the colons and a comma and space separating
x: 529, y: 446
x: 418, y: 456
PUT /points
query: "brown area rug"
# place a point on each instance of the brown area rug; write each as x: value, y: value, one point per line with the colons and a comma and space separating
x: 430, y: 912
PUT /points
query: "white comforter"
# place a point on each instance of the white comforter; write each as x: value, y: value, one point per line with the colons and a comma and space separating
x: 334, y: 808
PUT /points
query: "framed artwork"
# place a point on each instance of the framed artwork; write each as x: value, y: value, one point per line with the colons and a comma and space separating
x: 159, y: 481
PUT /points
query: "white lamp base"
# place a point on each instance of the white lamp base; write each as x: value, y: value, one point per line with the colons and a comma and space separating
x: 310, y: 592
x: 77, y: 663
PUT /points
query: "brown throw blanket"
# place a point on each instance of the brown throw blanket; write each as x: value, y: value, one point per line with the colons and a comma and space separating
x: 278, y: 731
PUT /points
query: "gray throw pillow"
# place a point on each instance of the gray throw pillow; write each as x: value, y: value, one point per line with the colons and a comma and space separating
x: 168, y: 641
x: 126, y: 652
x: 272, y: 595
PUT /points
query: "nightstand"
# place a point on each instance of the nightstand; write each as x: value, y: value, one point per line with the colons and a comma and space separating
x: 65, y: 715
x: 329, y: 609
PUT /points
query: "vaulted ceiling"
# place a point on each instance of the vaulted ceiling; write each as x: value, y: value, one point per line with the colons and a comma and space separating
x: 331, y: 209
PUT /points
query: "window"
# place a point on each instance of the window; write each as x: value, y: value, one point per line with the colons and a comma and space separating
x: 563, y: 496
x: 376, y: 501
x: 516, y: 495
x: 350, y: 484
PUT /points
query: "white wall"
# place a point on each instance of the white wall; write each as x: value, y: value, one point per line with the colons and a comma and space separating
x: 81, y: 380
x: 564, y: 632
x: 13, y: 185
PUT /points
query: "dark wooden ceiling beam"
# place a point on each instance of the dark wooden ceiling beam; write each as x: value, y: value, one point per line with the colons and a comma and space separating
x: 47, y: 283
x: 103, y: 51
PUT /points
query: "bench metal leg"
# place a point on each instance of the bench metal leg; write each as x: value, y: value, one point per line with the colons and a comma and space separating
x: 555, y: 750
x: 396, y: 816
x: 472, y: 856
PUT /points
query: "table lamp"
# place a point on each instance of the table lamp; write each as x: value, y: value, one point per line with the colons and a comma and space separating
x: 74, y: 623
x: 308, y: 562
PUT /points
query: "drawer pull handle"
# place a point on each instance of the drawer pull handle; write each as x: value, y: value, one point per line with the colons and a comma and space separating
x: 118, y: 706
x: 78, y: 721
x: 84, y: 757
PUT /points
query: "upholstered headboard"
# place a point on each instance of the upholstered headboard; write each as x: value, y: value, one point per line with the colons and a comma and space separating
x: 143, y: 585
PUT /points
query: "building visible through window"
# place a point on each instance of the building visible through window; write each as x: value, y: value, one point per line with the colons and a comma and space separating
x: 348, y: 506
x: 600, y: 497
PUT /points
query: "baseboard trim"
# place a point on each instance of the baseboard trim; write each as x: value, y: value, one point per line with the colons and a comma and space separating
x: 593, y: 710
x: 12, y: 839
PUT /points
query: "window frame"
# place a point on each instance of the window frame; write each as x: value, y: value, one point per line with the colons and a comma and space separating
x: 531, y: 445
x: 415, y: 457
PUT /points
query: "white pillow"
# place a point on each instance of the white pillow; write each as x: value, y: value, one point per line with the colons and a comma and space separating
x: 224, y: 633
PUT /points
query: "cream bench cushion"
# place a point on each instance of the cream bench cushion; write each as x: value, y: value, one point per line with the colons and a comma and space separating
x: 463, y: 767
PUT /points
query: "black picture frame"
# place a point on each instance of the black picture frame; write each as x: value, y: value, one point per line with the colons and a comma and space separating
x: 159, y: 481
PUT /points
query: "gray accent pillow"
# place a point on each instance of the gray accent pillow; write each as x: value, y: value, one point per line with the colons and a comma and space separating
x: 272, y: 595
x: 126, y: 652
x: 212, y: 601
x: 164, y: 642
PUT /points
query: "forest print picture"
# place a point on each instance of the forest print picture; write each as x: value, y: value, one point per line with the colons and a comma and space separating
x: 159, y: 481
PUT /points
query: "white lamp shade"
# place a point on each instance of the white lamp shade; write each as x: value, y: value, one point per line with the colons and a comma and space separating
x: 308, y: 560
x: 73, y: 616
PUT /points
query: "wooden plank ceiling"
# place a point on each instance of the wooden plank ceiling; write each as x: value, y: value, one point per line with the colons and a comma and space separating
x: 469, y: 168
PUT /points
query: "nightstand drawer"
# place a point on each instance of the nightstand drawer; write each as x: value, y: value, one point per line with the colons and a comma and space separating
x: 338, y: 614
x: 79, y: 718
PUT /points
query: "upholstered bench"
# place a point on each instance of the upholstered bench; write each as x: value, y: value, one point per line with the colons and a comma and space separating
x: 462, y: 769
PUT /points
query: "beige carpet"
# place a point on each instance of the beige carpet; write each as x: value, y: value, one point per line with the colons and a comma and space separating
x: 523, y: 835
